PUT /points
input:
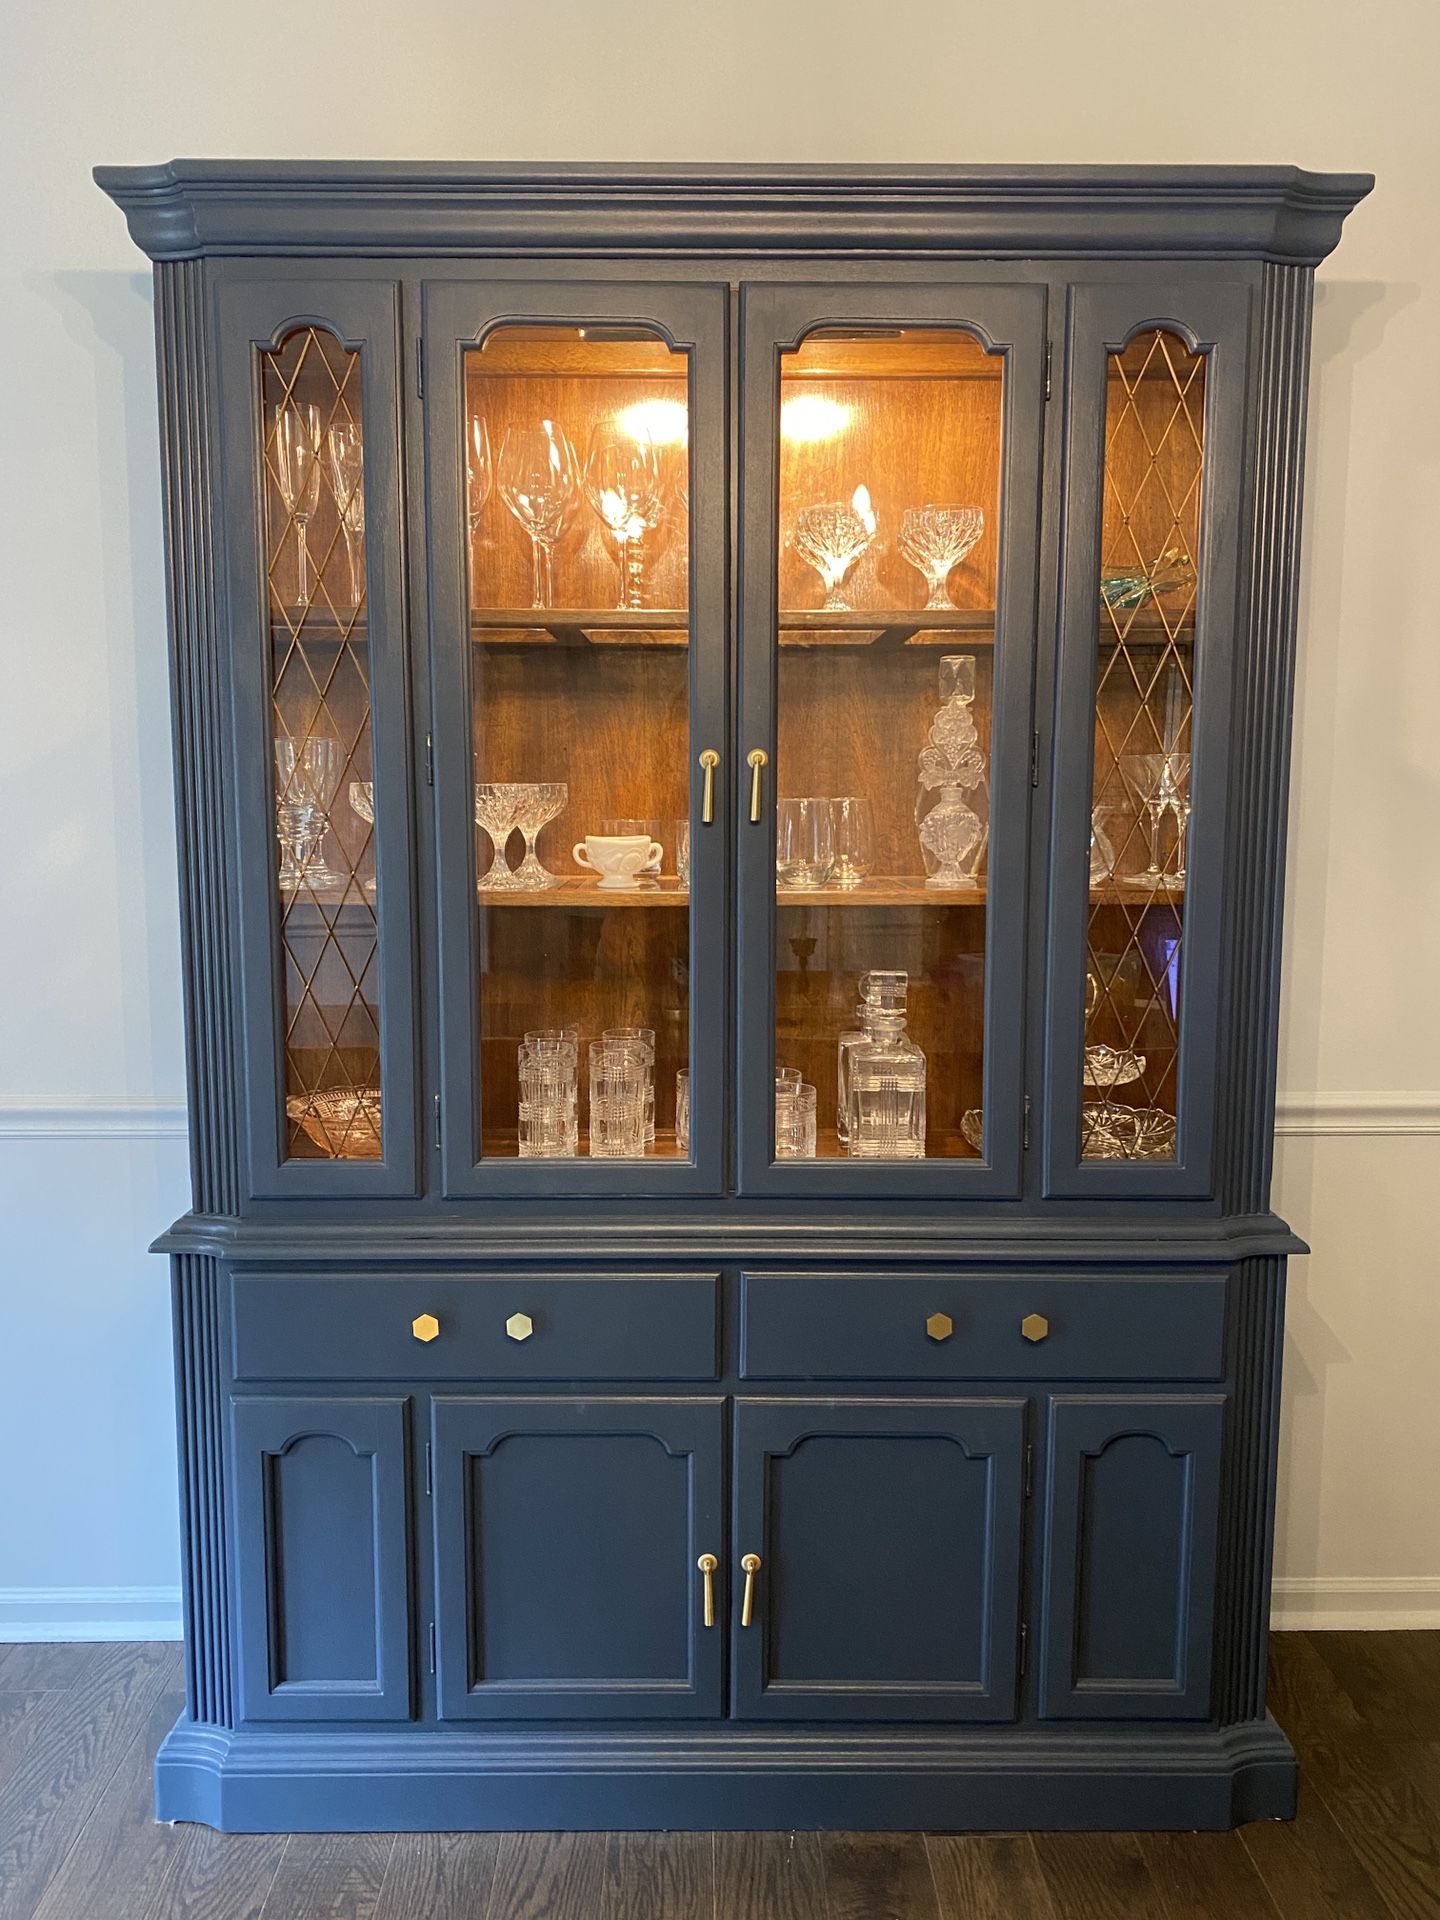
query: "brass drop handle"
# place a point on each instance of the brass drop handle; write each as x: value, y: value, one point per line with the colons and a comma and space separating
x: 749, y: 1566
x: 707, y: 1563
x: 757, y: 760
x: 709, y: 760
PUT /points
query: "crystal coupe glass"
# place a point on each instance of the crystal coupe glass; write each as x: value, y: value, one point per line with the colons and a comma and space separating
x: 832, y: 537
x: 540, y: 484
x: 497, y: 810
x: 935, y: 539
x: 541, y: 801
x: 307, y: 772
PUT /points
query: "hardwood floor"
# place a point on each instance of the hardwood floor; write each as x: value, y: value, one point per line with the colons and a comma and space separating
x: 80, y: 1724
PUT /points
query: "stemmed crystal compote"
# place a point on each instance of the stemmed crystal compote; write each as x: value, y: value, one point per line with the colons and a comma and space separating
x: 347, y: 476
x: 625, y: 484
x: 831, y: 538
x: 297, y: 474
x: 479, y: 473
x: 1160, y: 783
x: 498, y: 805
x: 540, y: 801
x: 935, y: 539
x: 307, y: 773
x: 539, y: 479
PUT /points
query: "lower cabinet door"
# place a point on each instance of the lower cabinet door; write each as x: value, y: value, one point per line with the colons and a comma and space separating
x: 1127, y: 1607
x: 322, y: 1554
x: 567, y: 1540
x: 888, y: 1539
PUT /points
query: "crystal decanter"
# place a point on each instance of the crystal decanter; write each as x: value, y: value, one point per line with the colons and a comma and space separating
x: 886, y: 1090
x: 952, y: 781
x: 879, y: 991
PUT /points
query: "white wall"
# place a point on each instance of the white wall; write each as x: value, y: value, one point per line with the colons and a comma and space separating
x: 89, y: 997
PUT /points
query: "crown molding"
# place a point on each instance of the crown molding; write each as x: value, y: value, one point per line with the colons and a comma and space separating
x: 187, y: 208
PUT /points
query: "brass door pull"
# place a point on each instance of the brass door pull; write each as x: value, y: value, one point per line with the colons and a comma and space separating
x: 707, y: 1563
x: 757, y: 760
x: 709, y: 760
x: 749, y: 1566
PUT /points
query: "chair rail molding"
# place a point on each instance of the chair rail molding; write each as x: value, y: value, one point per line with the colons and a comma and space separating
x: 101, y: 1117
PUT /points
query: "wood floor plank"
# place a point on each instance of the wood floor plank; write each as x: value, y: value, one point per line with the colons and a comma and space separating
x: 81, y: 1740
x: 877, y: 1876
x: 1384, y: 1681
x: 329, y: 1876
x: 1097, y: 1876
x: 1305, y: 1696
x: 45, y: 1666
x: 218, y: 1876
x: 769, y: 1876
x: 550, y: 1876
x: 661, y: 1876
x: 121, y: 1844
x: 988, y: 1877
x: 21, y: 1715
x: 439, y: 1876
x: 1309, y: 1867
x: 1390, y: 1825
x: 1206, y: 1876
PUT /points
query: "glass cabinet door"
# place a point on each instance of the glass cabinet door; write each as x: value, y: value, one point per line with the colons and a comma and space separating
x: 311, y: 471
x: 1149, y: 600
x: 890, y: 471
x: 575, y: 450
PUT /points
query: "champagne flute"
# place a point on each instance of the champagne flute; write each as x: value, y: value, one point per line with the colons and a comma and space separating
x: 624, y: 483
x: 347, y: 476
x: 540, y: 484
x: 479, y: 471
x: 297, y: 472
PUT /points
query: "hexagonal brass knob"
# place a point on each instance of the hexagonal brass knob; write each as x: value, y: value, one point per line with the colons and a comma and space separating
x: 939, y: 1326
x: 1035, y: 1326
x: 425, y: 1327
x: 519, y: 1326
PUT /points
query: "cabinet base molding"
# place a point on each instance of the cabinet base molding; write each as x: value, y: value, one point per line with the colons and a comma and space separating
x: 895, y: 1779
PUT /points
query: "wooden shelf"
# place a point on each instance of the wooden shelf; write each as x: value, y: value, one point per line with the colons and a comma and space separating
x: 579, y: 892
x: 501, y: 1143
x: 900, y: 890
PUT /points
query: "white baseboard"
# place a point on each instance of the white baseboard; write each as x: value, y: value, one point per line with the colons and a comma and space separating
x: 89, y: 1613
x: 1355, y: 1604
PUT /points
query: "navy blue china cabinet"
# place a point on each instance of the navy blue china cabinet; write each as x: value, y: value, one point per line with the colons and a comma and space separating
x: 731, y: 739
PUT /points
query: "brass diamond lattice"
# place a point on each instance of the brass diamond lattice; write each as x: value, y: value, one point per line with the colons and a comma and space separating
x: 1154, y: 447
x: 319, y: 657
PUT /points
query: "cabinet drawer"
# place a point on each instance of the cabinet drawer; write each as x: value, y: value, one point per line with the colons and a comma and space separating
x: 523, y: 1326
x: 945, y: 1326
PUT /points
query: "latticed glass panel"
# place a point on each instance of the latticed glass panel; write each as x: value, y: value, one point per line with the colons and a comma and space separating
x: 1145, y: 692
x: 312, y: 459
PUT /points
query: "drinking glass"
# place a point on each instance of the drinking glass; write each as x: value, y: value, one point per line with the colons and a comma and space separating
x: 832, y: 537
x: 497, y: 808
x: 641, y: 829
x: 618, y: 1078
x: 479, y: 472
x: 297, y: 473
x: 548, y: 1127
x: 680, y: 840
x: 852, y: 826
x: 804, y: 843
x: 935, y: 539
x: 795, y: 1134
x: 682, y: 1111
x: 540, y: 484
x: 541, y: 801
x: 1160, y: 783
x: 624, y: 483
x: 640, y: 1040
x: 307, y: 772
x: 347, y: 476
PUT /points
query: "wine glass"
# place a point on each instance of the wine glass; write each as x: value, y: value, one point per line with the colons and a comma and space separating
x: 935, y: 539
x: 540, y: 802
x: 831, y: 538
x: 479, y: 472
x: 540, y: 484
x: 1160, y: 783
x: 624, y: 483
x: 497, y: 808
x: 347, y: 476
x: 297, y: 473
x: 307, y: 773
